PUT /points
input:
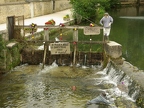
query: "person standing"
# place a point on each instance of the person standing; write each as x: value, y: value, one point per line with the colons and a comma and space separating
x: 106, y: 22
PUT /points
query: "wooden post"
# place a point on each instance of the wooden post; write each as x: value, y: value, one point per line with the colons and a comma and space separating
x: 45, y: 49
x: 90, y: 44
x: 75, y: 39
x: 74, y: 59
x: 90, y: 49
x: 75, y: 35
x: 10, y: 26
x: 23, y: 28
x: 46, y: 46
x: 46, y: 34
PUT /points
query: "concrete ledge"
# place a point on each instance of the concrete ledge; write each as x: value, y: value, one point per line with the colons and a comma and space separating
x: 113, y: 49
x: 133, y: 72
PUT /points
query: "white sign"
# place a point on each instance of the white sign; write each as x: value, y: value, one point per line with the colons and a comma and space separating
x: 91, y: 30
x: 60, y: 48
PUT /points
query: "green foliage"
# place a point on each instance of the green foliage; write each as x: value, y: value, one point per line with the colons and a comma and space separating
x: 114, y: 3
x: 140, y: 102
x: 89, y: 8
x: 92, y: 9
x: 2, y: 45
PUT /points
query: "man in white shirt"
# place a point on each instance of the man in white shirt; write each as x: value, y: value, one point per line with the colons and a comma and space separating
x: 106, y: 22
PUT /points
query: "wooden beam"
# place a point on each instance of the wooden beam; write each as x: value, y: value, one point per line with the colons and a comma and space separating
x: 45, y: 26
x: 44, y: 57
x: 85, y: 42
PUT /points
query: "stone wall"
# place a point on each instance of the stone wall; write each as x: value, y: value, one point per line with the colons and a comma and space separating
x: 32, y: 9
x: 9, y: 55
x: 7, y: 1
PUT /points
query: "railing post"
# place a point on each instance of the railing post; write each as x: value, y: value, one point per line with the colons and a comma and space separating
x: 44, y: 57
x: 75, y: 40
x: 46, y: 34
x: 46, y: 38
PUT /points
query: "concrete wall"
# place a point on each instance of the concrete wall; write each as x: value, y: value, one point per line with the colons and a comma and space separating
x: 32, y: 9
x: 8, y: 1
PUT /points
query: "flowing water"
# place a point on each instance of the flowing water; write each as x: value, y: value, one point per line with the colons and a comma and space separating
x: 28, y: 86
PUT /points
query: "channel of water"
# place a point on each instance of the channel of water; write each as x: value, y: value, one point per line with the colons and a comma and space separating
x: 27, y: 86
x: 128, y: 30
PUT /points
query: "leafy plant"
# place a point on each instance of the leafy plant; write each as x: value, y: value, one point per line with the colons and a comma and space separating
x: 92, y: 10
x: 88, y: 9
x: 2, y: 44
x: 114, y: 3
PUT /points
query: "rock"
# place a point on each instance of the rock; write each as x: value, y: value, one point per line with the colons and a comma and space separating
x: 113, y: 49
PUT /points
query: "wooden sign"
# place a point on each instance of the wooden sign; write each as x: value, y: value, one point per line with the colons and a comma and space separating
x: 60, y: 48
x: 91, y: 30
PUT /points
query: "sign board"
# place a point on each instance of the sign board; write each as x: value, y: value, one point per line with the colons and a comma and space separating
x: 91, y: 30
x: 60, y: 48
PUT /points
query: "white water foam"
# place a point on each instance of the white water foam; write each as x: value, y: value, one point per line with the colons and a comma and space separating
x: 84, y: 67
x: 41, y: 47
x: 101, y: 73
x: 111, y: 79
x: 48, y: 68
x: 19, y: 67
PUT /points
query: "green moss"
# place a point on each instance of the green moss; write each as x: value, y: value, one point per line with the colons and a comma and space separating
x: 140, y: 102
x: 2, y: 44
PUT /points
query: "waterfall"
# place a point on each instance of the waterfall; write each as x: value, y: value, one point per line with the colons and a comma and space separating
x: 124, y: 82
x: 84, y: 62
x: 48, y: 68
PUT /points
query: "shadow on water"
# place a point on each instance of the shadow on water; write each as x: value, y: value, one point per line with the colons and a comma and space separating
x: 28, y: 86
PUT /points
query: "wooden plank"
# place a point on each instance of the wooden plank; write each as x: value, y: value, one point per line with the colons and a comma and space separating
x: 82, y: 42
x: 45, y: 26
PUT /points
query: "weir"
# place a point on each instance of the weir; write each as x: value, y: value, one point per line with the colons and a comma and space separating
x: 121, y: 86
x: 124, y: 82
x: 127, y: 78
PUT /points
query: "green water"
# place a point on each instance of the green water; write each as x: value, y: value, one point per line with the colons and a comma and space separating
x: 129, y: 32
